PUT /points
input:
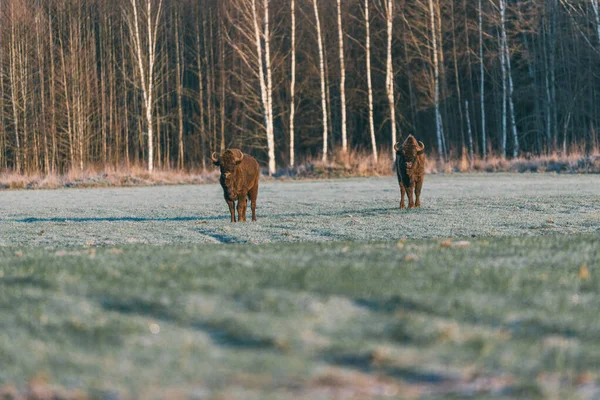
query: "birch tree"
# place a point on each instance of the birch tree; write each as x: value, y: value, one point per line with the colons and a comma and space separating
x: 482, y: 84
x: 293, y: 84
x: 342, y: 77
x: 146, y: 15
x: 389, y: 80
x: 436, y: 74
x: 369, y: 80
x: 506, y: 52
x: 270, y: 130
x: 322, y: 75
x: 504, y: 86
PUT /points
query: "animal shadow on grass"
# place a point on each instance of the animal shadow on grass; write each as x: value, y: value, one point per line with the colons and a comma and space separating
x: 114, y: 219
x: 219, y: 237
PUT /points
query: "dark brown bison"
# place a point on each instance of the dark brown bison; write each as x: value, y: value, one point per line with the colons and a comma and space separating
x: 410, y: 167
x: 239, y: 179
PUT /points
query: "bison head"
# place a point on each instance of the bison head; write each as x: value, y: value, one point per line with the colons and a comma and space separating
x: 410, y: 149
x: 228, y: 162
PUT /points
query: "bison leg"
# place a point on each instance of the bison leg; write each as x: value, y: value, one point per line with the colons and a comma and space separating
x: 402, y: 192
x: 231, y: 205
x: 252, y: 195
x: 241, y: 209
x: 409, y: 193
x: 418, y: 187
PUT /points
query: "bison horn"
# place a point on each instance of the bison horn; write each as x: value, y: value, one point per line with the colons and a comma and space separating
x: 422, y: 146
x: 239, y: 156
x: 397, y: 147
x: 214, y: 157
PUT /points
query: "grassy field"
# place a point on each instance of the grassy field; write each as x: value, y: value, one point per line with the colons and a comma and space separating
x: 304, y: 211
x: 335, y: 293
x: 485, y: 317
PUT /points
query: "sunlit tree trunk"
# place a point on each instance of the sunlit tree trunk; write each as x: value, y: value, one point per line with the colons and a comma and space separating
x: 144, y: 48
x: 504, y: 89
x: 342, y: 77
x: 506, y: 51
x: 482, y: 84
x: 389, y: 79
x: 200, y: 68
x: 270, y: 128
x: 179, y: 56
x: 322, y: 74
x: 369, y: 81
x: 293, y: 86
x: 436, y: 76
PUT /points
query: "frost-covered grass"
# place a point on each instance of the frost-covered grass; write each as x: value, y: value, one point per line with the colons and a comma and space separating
x: 152, y: 293
x: 305, y: 211
x: 509, y: 317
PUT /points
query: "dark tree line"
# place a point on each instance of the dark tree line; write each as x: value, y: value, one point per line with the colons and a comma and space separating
x: 164, y: 83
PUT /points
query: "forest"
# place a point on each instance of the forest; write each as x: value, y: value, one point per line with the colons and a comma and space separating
x: 164, y: 83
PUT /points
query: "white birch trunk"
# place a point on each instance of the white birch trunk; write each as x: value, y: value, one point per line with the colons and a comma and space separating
x: 270, y: 130
x: 506, y: 51
x: 342, y: 76
x: 293, y: 86
x: 469, y: 132
x: 548, y: 97
x: 265, y: 84
x: 596, y: 16
x: 201, y: 96
x: 436, y: 75
x: 14, y: 91
x: 146, y: 62
x: 390, y: 72
x: 322, y: 72
x: 504, y: 88
x: 482, y: 84
x: 179, y: 72
x: 369, y: 83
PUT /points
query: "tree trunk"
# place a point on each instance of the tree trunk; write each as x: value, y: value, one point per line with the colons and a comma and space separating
x: 322, y: 72
x: 469, y: 134
x: 389, y: 80
x: 504, y: 88
x: 179, y: 82
x: 144, y: 48
x: 369, y: 83
x: 342, y: 77
x: 482, y: 84
x: 293, y: 86
x: 436, y: 76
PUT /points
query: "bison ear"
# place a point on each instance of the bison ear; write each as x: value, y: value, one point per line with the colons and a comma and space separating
x: 215, y: 158
x: 397, y: 147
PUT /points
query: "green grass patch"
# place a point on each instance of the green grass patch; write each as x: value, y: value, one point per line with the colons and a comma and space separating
x: 420, y: 318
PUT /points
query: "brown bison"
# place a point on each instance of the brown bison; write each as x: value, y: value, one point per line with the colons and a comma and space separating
x: 239, y: 179
x: 410, y: 167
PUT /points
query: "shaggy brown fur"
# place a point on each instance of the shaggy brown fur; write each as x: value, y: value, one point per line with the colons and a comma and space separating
x: 239, y: 179
x: 410, y: 167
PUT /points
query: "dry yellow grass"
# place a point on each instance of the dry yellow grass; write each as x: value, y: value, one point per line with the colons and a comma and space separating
x: 354, y: 163
x: 106, y: 177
